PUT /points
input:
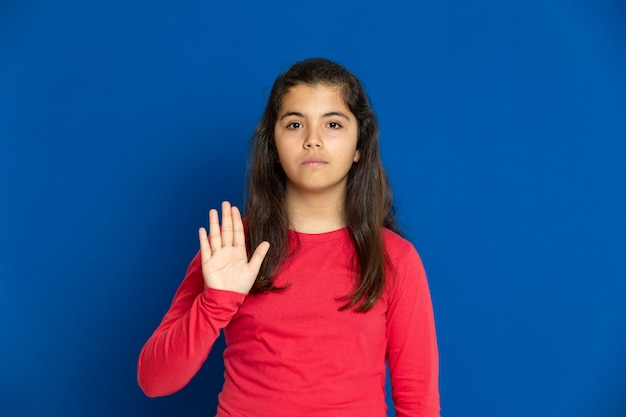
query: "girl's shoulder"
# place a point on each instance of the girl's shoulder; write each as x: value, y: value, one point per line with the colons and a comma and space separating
x: 401, y: 253
x: 395, y: 243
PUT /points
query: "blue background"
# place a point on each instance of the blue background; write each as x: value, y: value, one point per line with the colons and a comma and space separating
x: 503, y: 128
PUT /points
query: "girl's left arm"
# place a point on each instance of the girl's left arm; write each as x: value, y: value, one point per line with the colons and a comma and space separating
x: 412, y: 352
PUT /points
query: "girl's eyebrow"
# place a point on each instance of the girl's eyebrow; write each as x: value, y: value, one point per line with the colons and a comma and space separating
x: 291, y: 113
x: 336, y: 113
x: 329, y: 114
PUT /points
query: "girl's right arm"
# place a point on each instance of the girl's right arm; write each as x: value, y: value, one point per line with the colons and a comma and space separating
x: 217, y: 282
x: 180, y: 345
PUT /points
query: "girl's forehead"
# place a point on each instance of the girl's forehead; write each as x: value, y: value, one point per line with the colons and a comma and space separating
x: 314, y: 87
x: 313, y: 95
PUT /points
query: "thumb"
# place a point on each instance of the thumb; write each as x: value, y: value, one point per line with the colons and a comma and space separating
x: 257, y: 257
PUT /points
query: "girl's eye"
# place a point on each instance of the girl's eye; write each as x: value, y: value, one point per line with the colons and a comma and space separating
x: 294, y: 125
x: 334, y: 125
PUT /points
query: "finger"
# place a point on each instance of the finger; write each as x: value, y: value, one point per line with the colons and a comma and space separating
x: 205, y: 248
x: 227, y: 224
x: 257, y: 257
x: 214, y: 231
x: 239, y: 238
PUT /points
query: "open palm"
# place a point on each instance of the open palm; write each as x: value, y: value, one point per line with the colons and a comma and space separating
x: 225, y: 264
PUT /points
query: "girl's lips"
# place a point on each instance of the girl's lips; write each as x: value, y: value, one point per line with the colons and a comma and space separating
x: 313, y: 162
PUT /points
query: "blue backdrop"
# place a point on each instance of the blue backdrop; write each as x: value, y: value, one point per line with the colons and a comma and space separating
x: 503, y: 129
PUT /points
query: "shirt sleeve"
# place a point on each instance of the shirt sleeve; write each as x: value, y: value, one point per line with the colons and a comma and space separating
x: 180, y: 345
x: 412, y: 352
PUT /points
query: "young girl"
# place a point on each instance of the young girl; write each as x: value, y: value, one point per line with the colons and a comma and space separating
x: 309, y: 321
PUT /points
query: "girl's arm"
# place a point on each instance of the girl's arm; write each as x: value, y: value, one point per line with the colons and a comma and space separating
x: 216, y: 284
x: 180, y: 345
x: 412, y: 343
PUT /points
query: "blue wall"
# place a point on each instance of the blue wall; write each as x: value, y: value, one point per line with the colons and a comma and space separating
x: 503, y: 125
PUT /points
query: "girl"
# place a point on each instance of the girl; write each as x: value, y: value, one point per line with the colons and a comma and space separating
x: 310, y: 322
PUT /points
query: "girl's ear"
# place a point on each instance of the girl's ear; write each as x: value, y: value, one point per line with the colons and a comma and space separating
x: 357, y: 156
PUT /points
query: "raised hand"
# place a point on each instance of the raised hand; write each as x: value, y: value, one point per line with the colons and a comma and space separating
x: 225, y: 263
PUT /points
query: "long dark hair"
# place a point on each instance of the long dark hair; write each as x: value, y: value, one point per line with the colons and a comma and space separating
x: 368, y: 205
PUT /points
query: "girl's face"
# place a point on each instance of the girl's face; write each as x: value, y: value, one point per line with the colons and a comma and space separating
x: 316, y: 138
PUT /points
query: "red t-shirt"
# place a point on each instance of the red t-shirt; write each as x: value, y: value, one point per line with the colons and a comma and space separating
x: 291, y: 352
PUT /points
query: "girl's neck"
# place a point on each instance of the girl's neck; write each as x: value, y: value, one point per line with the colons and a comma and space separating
x: 314, y: 213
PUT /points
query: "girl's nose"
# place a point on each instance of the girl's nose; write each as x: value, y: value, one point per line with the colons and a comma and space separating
x: 313, y: 139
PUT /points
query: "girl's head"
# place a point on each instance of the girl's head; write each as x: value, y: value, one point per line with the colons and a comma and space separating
x: 322, y: 71
x: 264, y: 157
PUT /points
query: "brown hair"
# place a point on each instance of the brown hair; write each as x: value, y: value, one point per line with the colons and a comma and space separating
x: 368, y: 203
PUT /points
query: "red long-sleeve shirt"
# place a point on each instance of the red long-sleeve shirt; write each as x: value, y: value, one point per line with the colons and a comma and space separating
x: 291, y: 352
